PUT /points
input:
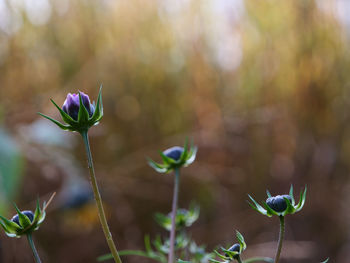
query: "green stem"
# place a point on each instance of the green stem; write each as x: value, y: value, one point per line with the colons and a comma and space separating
x: 280, y: 239
x: 98, y: 200
x: 173, y: 216
x: 35, y: 252
x: 266, y: 259
x: 239, y: 259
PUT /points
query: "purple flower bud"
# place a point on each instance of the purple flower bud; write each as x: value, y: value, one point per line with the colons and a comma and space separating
x: 71, y: 105
x: 236, y: 247
x: 174, y: 152
x: 28, y: 213
x: 278, y: 203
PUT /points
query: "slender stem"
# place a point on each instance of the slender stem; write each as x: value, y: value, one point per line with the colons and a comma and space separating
x: 98, y: 200
x: 280, y: 239
x: 239, y: 259
x: 173, y: 216
x: 35, y: 252
x: 269, y: 260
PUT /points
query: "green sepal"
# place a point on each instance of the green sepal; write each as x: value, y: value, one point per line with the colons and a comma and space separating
x: 65, y: 117
x: 156, y: 166
x: 290, y: 208
x: 241, y: 241
x: 41, y: 217
x: 291, y: 194
x: 221, y: 256
x: 168, y: 160
x: 268, y: 193
x: 147, y: 241
x: 269, y: 210
x: 163, y: 221
x: 23, y: 219
x: 301, y: 200
x: 62, y: 126
x: 192, y: 154
x: 230, y: 253
x: 257, y: 207
x: 185, y: 152
x: 9, y: 226
x: 37, y: 211
x: 97, y: 116
x: 83, y: 114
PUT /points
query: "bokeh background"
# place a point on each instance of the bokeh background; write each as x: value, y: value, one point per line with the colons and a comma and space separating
x: 262, y: 88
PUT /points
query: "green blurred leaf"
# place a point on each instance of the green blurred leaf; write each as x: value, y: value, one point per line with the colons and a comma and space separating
x: 11, y: 167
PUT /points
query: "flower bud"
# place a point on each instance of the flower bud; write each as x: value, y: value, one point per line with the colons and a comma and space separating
x: 72, y: 104
x: 235, y: 248
x: 28, y: 213
x: 174, y: 152
x: 78, y: 113
x: 278, y: 203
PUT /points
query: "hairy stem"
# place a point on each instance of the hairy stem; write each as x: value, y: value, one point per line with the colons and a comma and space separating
x: 35, y: 252
x: 173, y: 216
x: 97, y: 195
x: 280, y: 239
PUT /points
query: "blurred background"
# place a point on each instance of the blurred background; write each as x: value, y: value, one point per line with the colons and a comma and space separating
x: 262, y: 88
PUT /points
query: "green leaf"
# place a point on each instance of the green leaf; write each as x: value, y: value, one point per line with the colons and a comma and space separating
x: 11, y: 169
x: 148, y: 244
x: 325, y: 261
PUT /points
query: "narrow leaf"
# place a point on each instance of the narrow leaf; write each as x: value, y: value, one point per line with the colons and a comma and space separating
x: 62, y: 126
x: 65, y: 117
x: 83, y: 114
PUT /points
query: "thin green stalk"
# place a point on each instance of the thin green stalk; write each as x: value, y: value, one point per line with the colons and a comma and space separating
x: 98, y: 200
x: 266, y: 259
x: 280, y: 239
x: 35, y: 252
x: 173, y: 216
x: 239, y: 259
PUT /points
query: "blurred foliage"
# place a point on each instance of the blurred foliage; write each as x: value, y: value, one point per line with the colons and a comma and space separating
x: 11, y: 166
x: 261, y: 86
